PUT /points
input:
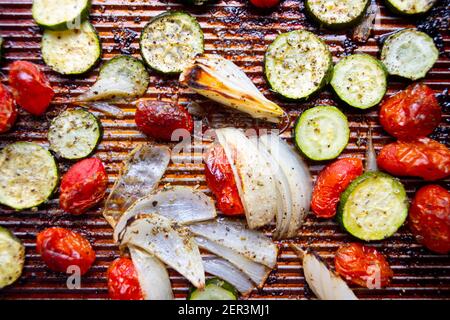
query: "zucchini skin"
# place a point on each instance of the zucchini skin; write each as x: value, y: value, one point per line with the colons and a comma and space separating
x: 335, y: 26
x: 399, y: 12
x: 83, y: 16
x: 216, y: 282
x: 20, y: 257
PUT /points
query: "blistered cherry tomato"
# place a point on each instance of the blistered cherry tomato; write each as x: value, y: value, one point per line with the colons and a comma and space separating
x: 411, y: 113
x: 220, y: 179
x: 422, y: 157
x: 363, y: 266
x: 331, y: 182
x: 429, y: 218
x: 83, y: 186
x: 8, y: 111
x: 265, y: 3
x: 30, y: 87
x: 123, y: 282
x: 61, y: 248
x: 159, y: 119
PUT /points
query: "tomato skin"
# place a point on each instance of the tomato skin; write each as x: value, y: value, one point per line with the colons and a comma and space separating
x: 331, y: 182
x: 423, y: 157
x: 159, y: 119
x: 83, y: 186
x: 411, y: 113
x: 220, y: 179
x: 265, y: 3
x: 357, y: 263
x: 8, y: 110
x: 61, y: 248
x: 429, y: 218
x: 30, y: 87
x: 123, y: 282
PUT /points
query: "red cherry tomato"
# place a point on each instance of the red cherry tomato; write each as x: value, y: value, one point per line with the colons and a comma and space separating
x: 30, y: 87
x: 123, y: 283
x: 159, y: 119
x: 331, y: 182
x: 265, y: 3
x: 220, y: 179
x: 411, y: 113
x: 422, y: 157
x: 83, y: 186
x: 429, y: 218
x: 61, y: 248
x: 363, y: 266
x: 8, y: 111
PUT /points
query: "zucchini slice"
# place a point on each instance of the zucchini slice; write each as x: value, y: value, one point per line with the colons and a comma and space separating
x: 170, y: 41
x: 410, y: 7
x: 409, y: 54
x: 337, y: 13
x: 28, y: 175
x: 12, y: 257
x: 74, y: 134
x: 60, y: 14
x: 297, y: 64
x: 322, y: 132
x: 360, y: 80
x: 73, y: 51
x: 373, y: 206
x: 215, y: 289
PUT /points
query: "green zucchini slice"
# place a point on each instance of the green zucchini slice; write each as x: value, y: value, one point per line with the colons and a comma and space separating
x: 170, y: 41
x: 60, y: 14
x: 12, y: 257
x: 410, y: 7
x: 373, y: 206
x: 360, y: 80
x: 74, y: 134
x: 322, y: 132
x: 337, y: 13
x: 28, y: 175
x: 215, y: 289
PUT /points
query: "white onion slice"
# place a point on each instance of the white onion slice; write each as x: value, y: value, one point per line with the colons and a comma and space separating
x: 104, y: 107
x: 141, y: 174
x: 325, y: 284
x: 170, y: 243
x: 371, y: 156
x: 257, y: 272
x: 183, y: 205
x: 226, y: 271
x: 236, y: 236
x: 152, y: 275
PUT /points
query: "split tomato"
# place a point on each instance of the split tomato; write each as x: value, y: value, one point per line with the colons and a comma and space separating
x: 123, y: 282
x: 83, y: 186
x: 30, y: 87
x: 363, y: 266
x: 220, y: 179
x: 61, y: 248
x: 331, y: 182
x: 429, y: 218
x: 8, y: 111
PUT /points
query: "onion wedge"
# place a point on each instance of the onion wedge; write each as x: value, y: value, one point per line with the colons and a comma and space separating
x: 257, y: 272
x: 183, y: 205
x: 221, y: 80
x: 299, y: 179
x: 141, y: 174
x: 371, y: 156
x: 236, y: 236
x: 224, y: 270
x: 152, y: 275
x: 325, y: 284
x: 361, y: 32
x: 253, y: 176
x: 170, y: 243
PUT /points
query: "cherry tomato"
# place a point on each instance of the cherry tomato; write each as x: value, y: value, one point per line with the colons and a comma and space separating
x: 159, y: 119
x: 422, y: 157
x: 363, y: 266
x: 411, y: 113
x: 123, y: 282
x: 8, y: 111
x: 83, y: 186
x: 331, y: 182
x: 429, y: 218
x: 30, y: 87
x: 220, y: 179
x: 265, y: 3
x: 61, y: 248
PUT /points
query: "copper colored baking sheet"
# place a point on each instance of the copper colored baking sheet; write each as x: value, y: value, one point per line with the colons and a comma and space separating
x: 237, y: 31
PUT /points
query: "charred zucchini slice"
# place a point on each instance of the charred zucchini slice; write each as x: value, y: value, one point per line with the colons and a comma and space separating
x: 410, y: 7
x: 60, y: 14
x: 12, y: 257
x: 337, y: 13
x: 215, y: 289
